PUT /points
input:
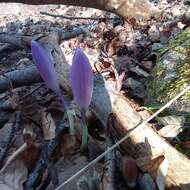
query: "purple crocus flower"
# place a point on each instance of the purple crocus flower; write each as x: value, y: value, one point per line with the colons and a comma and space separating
x: 45, y: 67
x: 82, y: 87
x: 81, y: 81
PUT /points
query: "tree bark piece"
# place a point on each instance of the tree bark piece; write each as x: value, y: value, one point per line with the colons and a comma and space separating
x: 21, y: 77
x: 123, y: 8
x: 146, y: 142
x: 24, y: 41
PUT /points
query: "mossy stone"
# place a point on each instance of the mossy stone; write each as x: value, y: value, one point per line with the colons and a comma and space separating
x: 171, y: 75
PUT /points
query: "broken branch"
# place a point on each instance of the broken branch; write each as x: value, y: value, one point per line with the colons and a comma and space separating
x: 125, y: 8
x: 77, y: 18
x: 18, y: 78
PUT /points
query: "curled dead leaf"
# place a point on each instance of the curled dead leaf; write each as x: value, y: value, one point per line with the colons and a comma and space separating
x: 113, y: 46
x: 48, y: 125
x: 69, y: 145
x: 150, y: 164
x: 102, y: 64
x: 170, y: 131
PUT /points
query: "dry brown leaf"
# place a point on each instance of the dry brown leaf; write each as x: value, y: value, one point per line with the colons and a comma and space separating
x: 170, y: 131
x: 14, y: 176
x: 113, y: 46
x: 33, y: 151
x: 150, y: 164
x: 69, y: 145
x: 172, y: 120
x: 14, y: 172
x: 161, y: 174
x: 101, y: 65
x: 130, y: 171
x: 48, y: 126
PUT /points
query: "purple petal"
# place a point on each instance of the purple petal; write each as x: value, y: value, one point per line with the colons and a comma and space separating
x: 81, y: 80
x: 45, y: 66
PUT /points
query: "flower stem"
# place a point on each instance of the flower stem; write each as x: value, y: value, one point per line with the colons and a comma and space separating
x: 69, y: 115
x: 84, y: 135
x: 71, y: 122
x: 84, y: 129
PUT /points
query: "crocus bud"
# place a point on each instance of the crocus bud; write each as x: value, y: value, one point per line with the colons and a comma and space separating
x: 130, y: 171
x: 45, y: 66
x: 81, y: 80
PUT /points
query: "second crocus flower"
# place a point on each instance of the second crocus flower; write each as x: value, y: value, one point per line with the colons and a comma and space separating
x: 82, y: 85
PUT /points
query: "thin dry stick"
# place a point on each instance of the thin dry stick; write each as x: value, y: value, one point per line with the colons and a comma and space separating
x: 30, y: 93
x: 14, y: 156
x: 133, y: 130
x: 72, y: 17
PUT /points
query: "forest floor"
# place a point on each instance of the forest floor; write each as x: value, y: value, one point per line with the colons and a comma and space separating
x: 32, y: 155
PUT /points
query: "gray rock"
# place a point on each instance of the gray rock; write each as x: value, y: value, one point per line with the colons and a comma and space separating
x: 156, y: 46
x: 137, y: 87
x: 148, y: 65
x: 154, y: 33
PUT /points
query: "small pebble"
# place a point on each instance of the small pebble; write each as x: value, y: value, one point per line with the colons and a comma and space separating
x: 154, y: 33
x: 156, y: 46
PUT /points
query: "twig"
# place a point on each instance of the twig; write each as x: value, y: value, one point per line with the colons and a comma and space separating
x: 7, y: 106
x: 4, y: 117
x: 20, y: 77
x: 11, y: 39
x: 71, y: 34
x: 7, y: 47
x: 20, y: 41
x: 109, y: 175
x: 15, y: 123
x: 30, y: 93
x: 14, y: 156
x: 73, y: 17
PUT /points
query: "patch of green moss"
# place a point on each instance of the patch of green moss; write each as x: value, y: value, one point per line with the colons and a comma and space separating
x: 165, y: 84
x: 183, y: 37
x: 181, y: 76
